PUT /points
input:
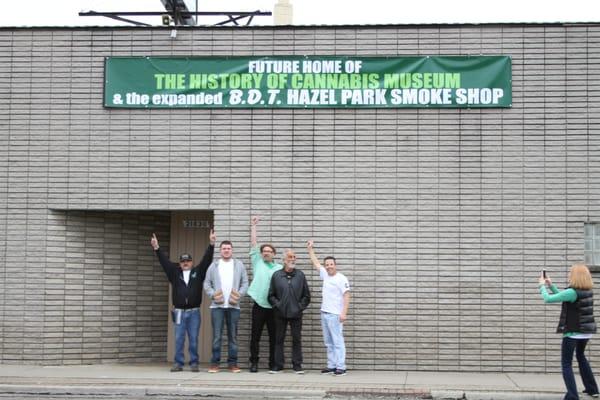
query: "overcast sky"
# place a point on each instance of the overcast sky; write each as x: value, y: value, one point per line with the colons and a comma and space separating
x: 310, y: 12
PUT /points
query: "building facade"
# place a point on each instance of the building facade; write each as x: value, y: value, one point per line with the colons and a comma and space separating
x: 441, y: 218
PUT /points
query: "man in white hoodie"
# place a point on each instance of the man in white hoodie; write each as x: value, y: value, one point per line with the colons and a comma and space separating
x: 226, y: 282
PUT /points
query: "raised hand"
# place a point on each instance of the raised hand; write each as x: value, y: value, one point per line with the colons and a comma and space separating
x: 154, y: 242
x: 253, y: 222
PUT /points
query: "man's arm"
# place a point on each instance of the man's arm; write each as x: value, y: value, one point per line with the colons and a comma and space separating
x: 209, y: 285
x: 243, y: 282
x: 344, y: 314
x: 167, y: 266
x: 273, y: 299
x: 313, y: 257
x: 253, y: 223
x: 207, y: 259
x: 305, y: 298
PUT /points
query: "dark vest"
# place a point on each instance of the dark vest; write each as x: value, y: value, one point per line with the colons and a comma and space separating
x: 579, y: 315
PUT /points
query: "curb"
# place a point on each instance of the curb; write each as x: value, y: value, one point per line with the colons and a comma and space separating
x: 120, y: 391
x: 159, y: 391
x: 491, y: 395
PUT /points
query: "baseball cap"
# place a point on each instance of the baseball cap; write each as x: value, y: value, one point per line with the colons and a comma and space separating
x: 185, y: 257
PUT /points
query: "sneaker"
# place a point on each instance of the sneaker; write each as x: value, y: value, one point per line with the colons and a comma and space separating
x: 195, y: 368
x: 591, y: 394
x: 275, y: 371
x: 213, y: 369
x: 339, y: 372
x: 234, y: 368
x: 176, y: 368
x: 328, y: 370
x: 254, y: 368
x: 298, y: 370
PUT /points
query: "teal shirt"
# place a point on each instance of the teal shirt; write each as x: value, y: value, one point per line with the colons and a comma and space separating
x: 261, y: 277
x: 559, y: 296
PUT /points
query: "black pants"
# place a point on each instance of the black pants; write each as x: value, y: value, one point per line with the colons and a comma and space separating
x: 260, y: 317
x: 280, y: 328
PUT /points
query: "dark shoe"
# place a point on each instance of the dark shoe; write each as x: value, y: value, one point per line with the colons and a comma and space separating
x: 195, y: 368
x: 339, y: 372
x: 176, y: 368
x: 275, y: 371
x: 254, y: 368
x: 298, y: 369
x: 328, y: 370
x: 591, y: 394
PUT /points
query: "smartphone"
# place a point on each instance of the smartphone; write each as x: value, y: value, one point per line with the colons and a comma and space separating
x: 544, y: 274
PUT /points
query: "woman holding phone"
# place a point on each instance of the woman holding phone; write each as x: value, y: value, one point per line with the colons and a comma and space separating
x: 577, y: 325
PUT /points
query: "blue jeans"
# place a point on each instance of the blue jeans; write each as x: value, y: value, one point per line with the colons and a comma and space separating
x: 231, y: 317
x: 190, y: 324
x: 333, y: 336
x: 567, y: 348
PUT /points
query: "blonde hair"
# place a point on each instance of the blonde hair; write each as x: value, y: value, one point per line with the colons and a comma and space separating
x: 580, y: 277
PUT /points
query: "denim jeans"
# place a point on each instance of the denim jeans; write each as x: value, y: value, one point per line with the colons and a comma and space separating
x: 231, y: 317
x: 567, y: 348
x: 333, y: 336
x: 190, y: 324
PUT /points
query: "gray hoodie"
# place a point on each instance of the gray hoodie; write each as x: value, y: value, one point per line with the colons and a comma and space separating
x: 212, y: 282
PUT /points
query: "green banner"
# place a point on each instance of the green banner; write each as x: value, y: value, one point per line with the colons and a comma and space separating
x: 308, y: 82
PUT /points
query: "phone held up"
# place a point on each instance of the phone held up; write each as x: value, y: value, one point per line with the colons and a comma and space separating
x: 544, y: 274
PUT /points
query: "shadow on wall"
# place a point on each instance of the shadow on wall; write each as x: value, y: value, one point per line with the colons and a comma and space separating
x: 105, y: 291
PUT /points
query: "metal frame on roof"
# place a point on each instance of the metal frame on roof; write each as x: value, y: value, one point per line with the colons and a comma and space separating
x: 177, y: 12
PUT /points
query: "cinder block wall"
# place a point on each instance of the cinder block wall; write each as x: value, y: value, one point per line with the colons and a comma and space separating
x: 89, y: 292
x: 441, y: 219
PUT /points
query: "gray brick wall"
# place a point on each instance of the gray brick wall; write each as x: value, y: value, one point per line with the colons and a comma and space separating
x: 441, y: 219
x: 89, y: 292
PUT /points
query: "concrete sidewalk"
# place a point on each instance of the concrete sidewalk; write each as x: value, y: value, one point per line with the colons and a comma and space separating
x: 140, y: 380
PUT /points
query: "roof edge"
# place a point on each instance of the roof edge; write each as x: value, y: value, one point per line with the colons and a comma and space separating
x: 302, y: 27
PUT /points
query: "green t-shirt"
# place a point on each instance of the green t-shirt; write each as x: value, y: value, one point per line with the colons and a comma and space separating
x: 261, y: 277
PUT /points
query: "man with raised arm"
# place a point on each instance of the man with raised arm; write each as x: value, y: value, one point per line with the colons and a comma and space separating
x: 186, y: 282
x: 334, y: 311
x: 263, y: 268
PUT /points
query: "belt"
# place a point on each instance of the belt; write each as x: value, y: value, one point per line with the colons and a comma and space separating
x: 186, y: 309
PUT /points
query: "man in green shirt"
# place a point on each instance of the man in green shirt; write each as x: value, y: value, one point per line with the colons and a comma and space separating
x: 263, y: 268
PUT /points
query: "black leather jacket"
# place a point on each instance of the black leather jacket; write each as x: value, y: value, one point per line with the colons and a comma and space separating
x: 289, y: 294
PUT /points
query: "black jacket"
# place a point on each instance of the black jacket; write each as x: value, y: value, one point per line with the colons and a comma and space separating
x: 579, y: 315
x: 190, y: 295
x: 289, y: 294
